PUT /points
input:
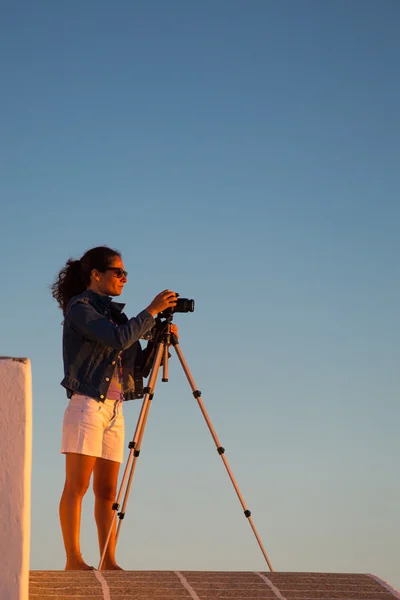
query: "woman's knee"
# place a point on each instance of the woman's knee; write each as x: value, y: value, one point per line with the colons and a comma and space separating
x: 76, y: 487
x: 79, y: 468
x: 104, y: 491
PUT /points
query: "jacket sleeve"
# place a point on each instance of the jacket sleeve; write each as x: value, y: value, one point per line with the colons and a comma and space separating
x: 84, y: 318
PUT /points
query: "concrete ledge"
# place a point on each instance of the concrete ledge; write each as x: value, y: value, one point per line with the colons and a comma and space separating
x: 211, y: 585
x: 15, y: 476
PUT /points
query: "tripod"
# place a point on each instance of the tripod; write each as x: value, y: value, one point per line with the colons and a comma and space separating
x: 163, y: 340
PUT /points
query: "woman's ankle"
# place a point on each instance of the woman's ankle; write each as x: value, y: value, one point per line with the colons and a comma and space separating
x: 75, y: 562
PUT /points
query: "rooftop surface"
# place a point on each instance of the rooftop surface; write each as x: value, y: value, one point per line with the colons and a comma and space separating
x: 199, y: 585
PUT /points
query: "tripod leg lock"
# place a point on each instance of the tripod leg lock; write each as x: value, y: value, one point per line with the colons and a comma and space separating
x: 121, y: 515
x: 220, y: 450
x: 131, y: 446
x: 197, y: 394
x: 147, y: 390
x: 115, y: 506
x: 247, y: 514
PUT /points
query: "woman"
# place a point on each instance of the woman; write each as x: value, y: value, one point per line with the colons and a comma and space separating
x: 102, y: 356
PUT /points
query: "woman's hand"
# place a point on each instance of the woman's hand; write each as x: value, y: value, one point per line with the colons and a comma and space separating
x: 162, y: 301
x: 174, y: 329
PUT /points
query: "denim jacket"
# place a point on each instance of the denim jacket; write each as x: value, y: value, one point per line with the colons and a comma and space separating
x: 95, y: 332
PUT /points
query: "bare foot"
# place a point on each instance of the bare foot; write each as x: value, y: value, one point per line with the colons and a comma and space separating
x: 77, y: 564
x: 110, y: 566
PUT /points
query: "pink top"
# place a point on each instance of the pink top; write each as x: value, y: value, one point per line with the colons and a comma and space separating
x: 115, y: 391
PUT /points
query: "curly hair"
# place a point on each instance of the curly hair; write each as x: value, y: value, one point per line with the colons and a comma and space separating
x: 74, y: 277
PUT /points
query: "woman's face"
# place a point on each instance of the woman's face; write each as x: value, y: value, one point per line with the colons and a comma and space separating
x: 112, y: 281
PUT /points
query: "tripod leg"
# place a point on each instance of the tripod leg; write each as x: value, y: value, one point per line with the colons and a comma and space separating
x: 165, y: 364
x: 134, y: 447
x: 138, y: 443
x: 220, y: 449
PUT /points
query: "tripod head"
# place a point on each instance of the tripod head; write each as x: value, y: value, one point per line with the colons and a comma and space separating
x: 160, y: 333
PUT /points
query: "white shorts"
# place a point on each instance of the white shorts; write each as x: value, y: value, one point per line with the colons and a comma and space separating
x: 94, y: 428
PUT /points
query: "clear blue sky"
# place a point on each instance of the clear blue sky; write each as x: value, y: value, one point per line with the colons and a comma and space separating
x: 245, y: 154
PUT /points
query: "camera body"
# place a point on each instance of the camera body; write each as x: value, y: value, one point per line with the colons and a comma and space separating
x: 183, y: 305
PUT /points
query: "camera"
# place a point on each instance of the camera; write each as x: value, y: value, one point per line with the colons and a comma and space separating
x: 183, y: 305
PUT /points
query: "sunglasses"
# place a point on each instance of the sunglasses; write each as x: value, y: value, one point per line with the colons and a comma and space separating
x: 118, y: 272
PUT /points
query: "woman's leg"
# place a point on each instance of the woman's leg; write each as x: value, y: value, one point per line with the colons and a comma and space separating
x: 105, y: 480
x: 79, y: 468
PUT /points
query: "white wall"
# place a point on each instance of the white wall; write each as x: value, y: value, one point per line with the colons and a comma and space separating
x: 15, y: 476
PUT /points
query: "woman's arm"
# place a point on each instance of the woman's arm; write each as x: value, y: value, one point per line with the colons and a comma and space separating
x: 97, y: 327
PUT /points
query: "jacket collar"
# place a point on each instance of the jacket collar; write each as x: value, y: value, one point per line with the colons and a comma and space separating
x: 103, y: 301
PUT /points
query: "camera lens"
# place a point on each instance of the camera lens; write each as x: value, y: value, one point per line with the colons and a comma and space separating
x: 184, y: 305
